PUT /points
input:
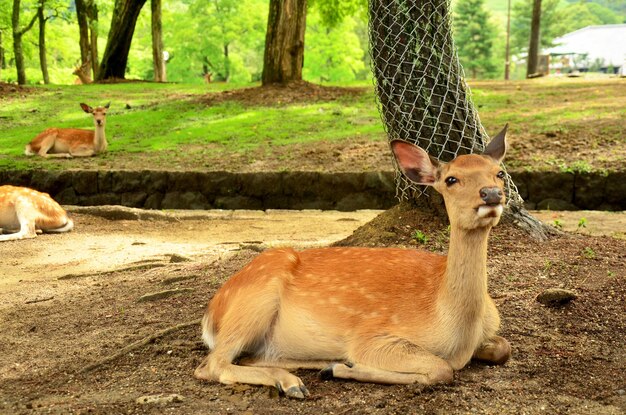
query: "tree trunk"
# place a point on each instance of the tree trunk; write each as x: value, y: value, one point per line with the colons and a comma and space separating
x: 226, y: 64
x: 507, y: 48
x: 422, y: 96
x: 533, y: 47
x: 43, y: 60
x: 87, y: 17
x: 92, y: 15
x: 284, y: 42
x: 157, y: 42
x: 83, y: 32
x: 2, y: 62
x: 17, y: 41
x: 123, y: 23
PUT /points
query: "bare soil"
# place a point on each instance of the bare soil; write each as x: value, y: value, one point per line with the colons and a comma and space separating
x: 76, y: 337
x: 79, y: 335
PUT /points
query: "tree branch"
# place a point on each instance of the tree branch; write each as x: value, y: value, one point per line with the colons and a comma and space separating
x: 138, y: 344
x: 27, y: 28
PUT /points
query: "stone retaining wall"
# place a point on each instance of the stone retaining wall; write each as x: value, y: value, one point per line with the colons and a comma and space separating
x: 294, y: 190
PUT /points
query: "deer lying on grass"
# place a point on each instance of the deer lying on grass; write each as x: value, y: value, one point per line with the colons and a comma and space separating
x: 27, y: 211
x: 380, y: 315
x: 72, y: 142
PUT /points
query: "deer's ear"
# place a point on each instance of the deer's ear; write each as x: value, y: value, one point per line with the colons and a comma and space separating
x: 415, y: 163
x: 107, y: 105
x: 496, y: 149
x: 86, y: 108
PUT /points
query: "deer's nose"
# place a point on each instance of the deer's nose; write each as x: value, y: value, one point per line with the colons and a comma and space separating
x: 99, y: 122
x: 491, y: 195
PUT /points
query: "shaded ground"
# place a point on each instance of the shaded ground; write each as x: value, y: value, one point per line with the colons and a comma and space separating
x: 11, y: 89
x: 57, y: 321
x: 279, y: 94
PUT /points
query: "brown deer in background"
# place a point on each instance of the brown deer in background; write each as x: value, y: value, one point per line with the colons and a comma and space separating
x: 82, y: 72
x: 72, y: 142
x: 381, y: 315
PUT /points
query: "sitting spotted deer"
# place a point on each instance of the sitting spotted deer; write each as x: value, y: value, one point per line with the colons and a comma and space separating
x: 382, y: 315
x: 72, y: 142
x: 25, y: 211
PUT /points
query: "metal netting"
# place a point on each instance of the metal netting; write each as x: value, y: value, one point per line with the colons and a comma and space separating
x: 420, y: 84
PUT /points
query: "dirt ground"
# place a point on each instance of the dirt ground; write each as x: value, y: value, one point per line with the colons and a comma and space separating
x: 105, y: 318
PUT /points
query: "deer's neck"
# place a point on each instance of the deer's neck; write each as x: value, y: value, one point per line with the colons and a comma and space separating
x: 465, y: 287
x: 99, y: 139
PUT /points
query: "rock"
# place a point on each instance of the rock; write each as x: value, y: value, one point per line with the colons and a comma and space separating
x: 554, y: 297
x: 175, y: 258
x: 160, y: 399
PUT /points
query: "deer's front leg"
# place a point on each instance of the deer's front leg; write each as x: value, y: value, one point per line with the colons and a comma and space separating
x: 82, y: 152
x: 391, y: 360
x: 496, y: 350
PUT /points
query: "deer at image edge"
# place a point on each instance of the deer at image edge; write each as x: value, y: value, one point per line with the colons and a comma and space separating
x: 27, y: 211
x: 382, y: 315
x: 72, y: 142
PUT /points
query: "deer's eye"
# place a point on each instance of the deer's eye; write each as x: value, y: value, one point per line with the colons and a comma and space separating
x: 500, y: 174
x: 451, y: 180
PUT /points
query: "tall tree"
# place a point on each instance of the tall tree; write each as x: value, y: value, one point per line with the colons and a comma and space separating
x: 474, y: 34
x: 507, y: 48
x: 46, y: 10
x: 18, y: 33
x: 123, y: 21
x: 423, y: 98
x: 158, y: 60
x: 43, y: 60
x: 87, y: 17
x: 284, y: 42
x: 521, y: 17
x: 533, y: 46
x: 2, y: 61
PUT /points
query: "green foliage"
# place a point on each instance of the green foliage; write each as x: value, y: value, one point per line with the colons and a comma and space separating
x: 557, y: 19
x: 333, y: 12
x: 474, y: 36
x: 332, y: 54
x: 419, y: 236
x: 578, y: 15
x: 589, y: 253
x: 521, y: 14
x: 196, y: 34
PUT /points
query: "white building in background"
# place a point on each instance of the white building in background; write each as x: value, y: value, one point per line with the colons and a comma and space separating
x: 601, y: 47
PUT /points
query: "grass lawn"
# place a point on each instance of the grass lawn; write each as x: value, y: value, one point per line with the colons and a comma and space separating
x: 555, y: 124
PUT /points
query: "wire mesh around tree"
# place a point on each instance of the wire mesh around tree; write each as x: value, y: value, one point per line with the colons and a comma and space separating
x: 420, y: 85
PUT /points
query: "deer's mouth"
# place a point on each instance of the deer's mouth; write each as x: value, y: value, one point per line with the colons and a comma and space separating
x: 491, y: 210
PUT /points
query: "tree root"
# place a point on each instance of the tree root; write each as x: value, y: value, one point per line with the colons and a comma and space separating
x: 536, y: 229
x: 139, y: 343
